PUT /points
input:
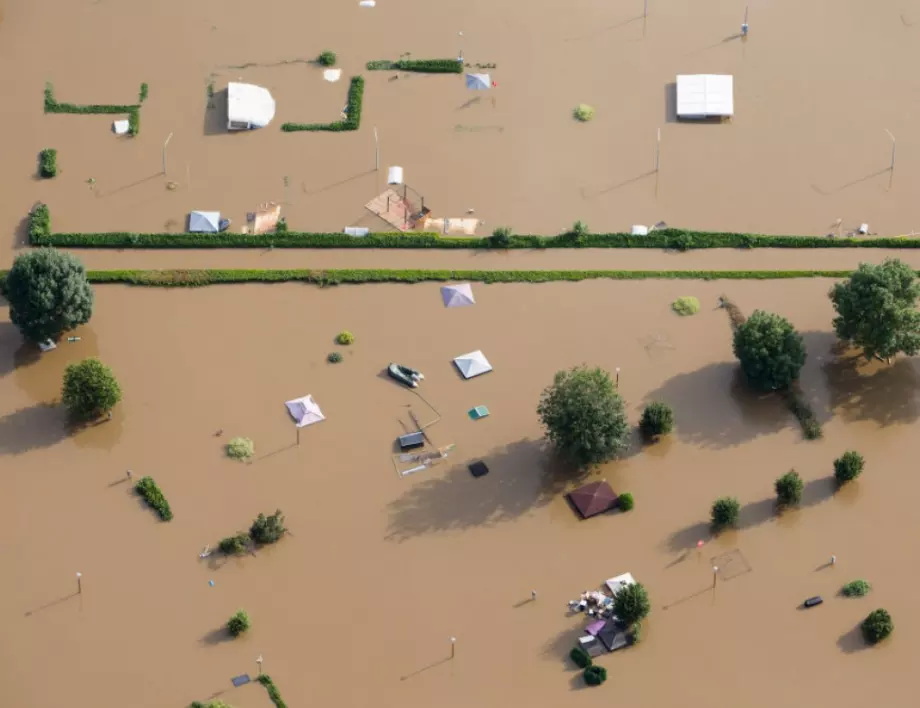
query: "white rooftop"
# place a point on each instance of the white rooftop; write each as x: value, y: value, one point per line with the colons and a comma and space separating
x: 473, y: 364
x: 248, y: 106
x: 705, y: 96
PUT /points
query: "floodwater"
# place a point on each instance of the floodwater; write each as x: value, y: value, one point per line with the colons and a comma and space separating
x: 817, y: 84
x: 358, y: 604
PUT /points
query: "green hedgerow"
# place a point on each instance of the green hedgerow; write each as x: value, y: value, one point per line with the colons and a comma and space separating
x: 856, y: 588
x: 334, y: 357
x: 268, y: 529
x: 234, y: 545
x: 500, y: 238
x: 725, y: 512
x: 142, y: 95
x: 583, y: 112
x: 273, y: 693
x: 877, y: 626
x: 595, y: 675
x: 581, y: 658
x: 345, y: 338
x: 238, y: 623
x: 657, y: 419
x: 327, y: 58
x: 625, y: 501
x: 848, y: 466
x: 47, y: 163
x: 154, y: 498
x: 789, y: 488
x: 686, y: 305
x: 240, y: 448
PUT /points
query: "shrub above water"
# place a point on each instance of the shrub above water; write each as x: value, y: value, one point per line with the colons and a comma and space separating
x: 725, y: 512
x: 47, y: 163
x: 268, y: 529
x: 234, y: 545
x: 595, y: 675
x: 657, y: 419
x: 500, y: 238
x: 625, y: 501
x: 583, y: 112
x: 631, y: 604
x: 770, y: 351
x: 334, y: 357
x: 848, y: 466
x: 877, y: 626
x: 327, y: 58
x: 789, y: 488
x: 856, y: 588
x: 240, y: 448
x: 345, y: 338
x: 238, y: 623
x: 686, y: 305
x: 90, y: 389
x: 581, y: 658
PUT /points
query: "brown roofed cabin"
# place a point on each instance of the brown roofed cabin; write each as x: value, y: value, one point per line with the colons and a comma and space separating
x: 593, y: 499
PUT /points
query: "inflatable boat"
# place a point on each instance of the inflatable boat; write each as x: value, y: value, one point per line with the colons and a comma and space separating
x: 405, y: 375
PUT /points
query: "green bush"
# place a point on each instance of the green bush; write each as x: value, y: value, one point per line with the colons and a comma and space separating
x: 595, y: 675
x: 631, y: 604
x: 877, y: 626
x: 39, y: 222
x: 90, y: 389
x: 273, y: 693
x: 152, y: 494
x: 425, y: 66
x: 848, y: 466
x: 327, y: 58
x: 686, y: 305
x: 657, y: 419
x: 635, y: 633
x: 47, y: 163
x: 583, y: 112
x: 345, y: 338
x: 584, y: 416
x: 352, y: 120
x: 856, y: 588
x: 134, y: 122
x: 500, y: 238
x: 625, y: 501
x: 238, y: 623
x: 48, y: 291
x: 789, y: 488
x: 725, y: 512
x: 240, y: 448
x: 268, y: 529
x: 142, y: 94
x: 234, y: 545
x: 581, y: 658
x: 770, y: 351
x: 53, y: 106
x: 334, y: 357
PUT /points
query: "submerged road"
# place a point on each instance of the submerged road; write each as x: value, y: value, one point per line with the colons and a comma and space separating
x: 551, y: 259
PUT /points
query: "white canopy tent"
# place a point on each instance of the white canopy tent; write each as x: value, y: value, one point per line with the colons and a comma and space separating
x: 473, y: 364
x: 701, y: 96
x: 248, y: 106
x: 207, y: 222
x: 478, y: 82
x: 619, y: 582
x: 459, y: 295
x: 304, y: 411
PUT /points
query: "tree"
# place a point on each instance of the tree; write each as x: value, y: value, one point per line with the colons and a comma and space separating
x: 581, y: 658
x: 877, y: 626
x: 48, y: 294
x: 789, y: 488
x: 584, y: 416
x: 268, y: 529
x: 631, y: 604
x: 848, y: 466
x: 500, y: 238
x: 90, y: 389
x: 725, y: 512
x: 657, y: 419
x: 876, y: 310
x: 771, y: 352
x: 595, y: 675
x: 238, y: 623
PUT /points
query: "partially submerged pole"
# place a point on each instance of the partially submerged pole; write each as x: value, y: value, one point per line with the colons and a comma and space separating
x: 376, y: 151
x: 744, y: 25
x: 658, y: 151
x: 165, y: 144
x: 893, y: 146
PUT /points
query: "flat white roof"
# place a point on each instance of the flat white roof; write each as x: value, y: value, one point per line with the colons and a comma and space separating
x: 705, y: 95
x: 251, y: 104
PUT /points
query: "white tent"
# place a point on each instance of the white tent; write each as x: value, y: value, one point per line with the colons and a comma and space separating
x: 204, y: 222
x: 473, y: 364
x: 248, y: 107
x: 459, y: 295
x: 478, y: 82
x: 304, y: 411
x: 619, y: 582
x: 705, y: 96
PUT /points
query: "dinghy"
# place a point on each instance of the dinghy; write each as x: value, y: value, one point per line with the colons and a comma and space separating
x: 405, y: 375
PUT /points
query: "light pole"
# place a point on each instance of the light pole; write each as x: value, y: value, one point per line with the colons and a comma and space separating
x: 165, y: 143
x: 893, y: 146
x: 259, y: 662
x: 715, y: 574
x: 453, y: 647
x: 376, y: 151
x: 79, y: 583
x: 618, y: 377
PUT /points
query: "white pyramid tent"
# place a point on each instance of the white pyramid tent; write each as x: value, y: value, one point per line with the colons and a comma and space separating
x: 204, y: 222
x: 473, y: 364
x: 478, y: 82
x: 459, y: 295
x: 304, y: 411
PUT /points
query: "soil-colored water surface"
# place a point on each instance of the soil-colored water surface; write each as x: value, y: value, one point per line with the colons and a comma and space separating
x: 356, y: 606
x: 817, y: 84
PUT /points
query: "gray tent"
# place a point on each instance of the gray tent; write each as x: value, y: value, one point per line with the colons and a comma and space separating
x: 459, y: 295
x: 478, y: 82
x: 204, y: 222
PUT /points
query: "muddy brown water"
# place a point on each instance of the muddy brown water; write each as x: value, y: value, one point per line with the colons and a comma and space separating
x: 817, y: 84
x: 379, y: 572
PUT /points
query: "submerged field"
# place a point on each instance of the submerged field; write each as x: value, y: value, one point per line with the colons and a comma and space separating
x: 357, y: 605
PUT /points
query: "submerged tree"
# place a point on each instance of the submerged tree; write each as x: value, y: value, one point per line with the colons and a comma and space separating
x: 876, y: 310
x: 90, y: 389
x: 584, y: 416
x: 49, y: 294
x: 770, y: 351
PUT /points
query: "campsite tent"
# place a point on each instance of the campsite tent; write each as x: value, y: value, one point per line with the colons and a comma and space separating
x: 459, y: 295
x: 619, y: 582
x: 248, y: 106
x: 473, y: 364
x: 207, y: 222
x: 701, y: 96
x: 593, y: 499
x: 478, y: 82
x: 304, y: 411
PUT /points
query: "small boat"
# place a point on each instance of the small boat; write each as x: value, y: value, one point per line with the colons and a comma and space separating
x: 405, y: 375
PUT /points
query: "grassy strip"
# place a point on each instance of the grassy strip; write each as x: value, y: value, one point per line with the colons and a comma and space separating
x: 423, y: 66
x: 47, y: 164
x: 152, y: 494
x: 52, y: 105
x: 272, y: 689
x: 352, y: 119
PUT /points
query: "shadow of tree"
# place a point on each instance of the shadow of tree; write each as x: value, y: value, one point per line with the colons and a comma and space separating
x: 34, y: 427
x: 522, y: 477
x: 10, y: 343
x: 852, y: 642
x: 217, y: 636
x: 873, y: 390
x: 560, y: 646
x: 714, y: 407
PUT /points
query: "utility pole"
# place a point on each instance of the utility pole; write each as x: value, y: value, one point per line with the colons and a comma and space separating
x: 376, y: 151
x: 893, y: 146
x: 165, y: 144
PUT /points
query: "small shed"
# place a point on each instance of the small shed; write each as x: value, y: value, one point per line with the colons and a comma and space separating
x: 702, y: 96
x: 248, y: 106
x: 304, y: 411
x: 206, y: 222
x: 614, y: 635
x: 593, y: 499
x: 473, y: 364
x: 459, y: 295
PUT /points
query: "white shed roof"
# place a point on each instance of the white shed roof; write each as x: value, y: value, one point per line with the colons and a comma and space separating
x: 705, y: 95
x: 251, y: 104
x: 473, y: 364
x: 204, y: 222
x: 304, y: 411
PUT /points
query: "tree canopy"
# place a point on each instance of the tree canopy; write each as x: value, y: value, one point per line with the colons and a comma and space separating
x: 584, y: 416
x: 48, y: 294
x: 90, y: 389
x: 631, y: 604
x: 876, y: 309
x: 770, y: 351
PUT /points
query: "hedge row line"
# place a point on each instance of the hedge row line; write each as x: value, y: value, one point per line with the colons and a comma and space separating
x: 273, y: 693
x: 425, y: 66
x: 152, y: 494
x: 52, y: 105
x: 352, y: 120
x: 47, y: 163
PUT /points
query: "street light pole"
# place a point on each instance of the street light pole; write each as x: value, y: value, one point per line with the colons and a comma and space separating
x: 376, y: 151
x: 259, y: 662
x: 165, y: 144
